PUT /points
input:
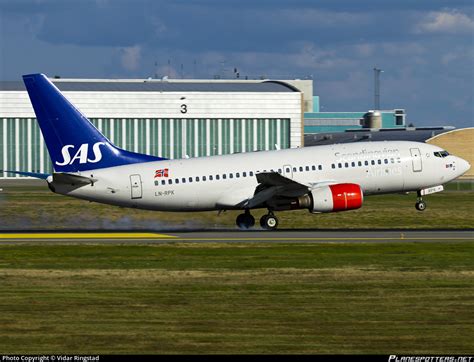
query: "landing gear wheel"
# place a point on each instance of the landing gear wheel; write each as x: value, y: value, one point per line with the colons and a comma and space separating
x: 420, y: 205
x: 269, y: 222
x: 245, y: 221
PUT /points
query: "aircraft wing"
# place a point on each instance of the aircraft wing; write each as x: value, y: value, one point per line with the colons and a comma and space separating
x: 272, y: 184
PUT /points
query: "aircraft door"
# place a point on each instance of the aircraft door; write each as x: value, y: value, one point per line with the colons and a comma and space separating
x: 136, y: 186
x: 416, y: 159
x: 287, y: 171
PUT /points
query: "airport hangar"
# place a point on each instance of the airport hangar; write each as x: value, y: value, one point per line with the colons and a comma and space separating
x: 191, y: 118
x: 167, y: 118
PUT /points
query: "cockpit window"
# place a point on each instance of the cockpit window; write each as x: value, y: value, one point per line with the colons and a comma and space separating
x: 441, y: 154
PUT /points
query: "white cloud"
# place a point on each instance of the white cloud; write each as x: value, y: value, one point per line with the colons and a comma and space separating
x: 130, y: 58
x: 447, y: 22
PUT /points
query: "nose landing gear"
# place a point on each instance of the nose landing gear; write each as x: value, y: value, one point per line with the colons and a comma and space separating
x: 420, y: 205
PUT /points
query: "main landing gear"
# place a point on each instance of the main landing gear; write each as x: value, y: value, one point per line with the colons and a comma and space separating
x: 246, y: 221
x: 420, y: 205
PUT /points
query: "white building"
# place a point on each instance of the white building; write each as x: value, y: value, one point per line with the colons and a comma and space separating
x: 167, y: 118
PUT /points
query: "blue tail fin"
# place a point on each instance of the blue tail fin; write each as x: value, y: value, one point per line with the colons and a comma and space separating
x: 74, y: 144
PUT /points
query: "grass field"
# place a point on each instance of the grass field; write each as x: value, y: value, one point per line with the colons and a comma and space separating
x: 415, y: 298
x: 38, y: 208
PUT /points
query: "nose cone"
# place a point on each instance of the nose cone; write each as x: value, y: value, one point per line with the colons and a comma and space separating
x: 463, y: 166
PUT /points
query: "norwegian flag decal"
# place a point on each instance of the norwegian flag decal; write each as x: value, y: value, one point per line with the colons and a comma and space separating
x: 163, y: 172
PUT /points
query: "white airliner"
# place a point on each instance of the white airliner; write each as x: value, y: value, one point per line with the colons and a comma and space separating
x: 319, y: 178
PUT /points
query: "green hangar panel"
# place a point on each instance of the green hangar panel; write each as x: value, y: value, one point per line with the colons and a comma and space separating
x: 172, y: 119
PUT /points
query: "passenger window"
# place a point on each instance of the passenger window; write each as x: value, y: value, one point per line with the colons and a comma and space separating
x: 339, y: 165
x: 210, y: 178
x: 386, y: 161
x: 224, y: 176
x: 366, y: 162
x: 231, y: 175
x: 176, y: 180
x: 244, y: 174
x: 287, y: 170
x: 333, y: 165
x: 251, y: 173
x: 163, y: 182
x: 294, y: 169
x: 183, y: 180
x: 190, y: 179
x: 237, y: 174
x: 218, y: 177
x: 320, y: 167
x: 170, y: 181
x: 379, y: 162
x: 392, y: 160
x: 353, y: 164
x: 307, y: 168
x: 204, y: 178
x: 313, y: 167
x: 359, y: 163
x: 301, y: 169
x: 372, y: 162
x: 279, y: 171
x: 346, y: 164
x: 156, y: 183
x: 197, y: 178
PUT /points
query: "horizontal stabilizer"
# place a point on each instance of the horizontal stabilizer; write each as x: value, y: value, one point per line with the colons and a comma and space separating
x: 42, y: 176
x: 71, y: 179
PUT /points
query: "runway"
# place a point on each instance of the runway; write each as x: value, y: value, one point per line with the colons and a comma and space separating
x: 236, y: 236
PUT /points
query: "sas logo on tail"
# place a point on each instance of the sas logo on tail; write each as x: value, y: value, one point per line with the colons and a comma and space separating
x: 82, y: 154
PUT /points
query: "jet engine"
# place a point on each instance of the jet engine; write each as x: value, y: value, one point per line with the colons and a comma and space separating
x: 339, y: 197
x: 331, y: 198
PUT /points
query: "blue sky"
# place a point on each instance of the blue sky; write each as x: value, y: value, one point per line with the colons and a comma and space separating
x: 425, y: 47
